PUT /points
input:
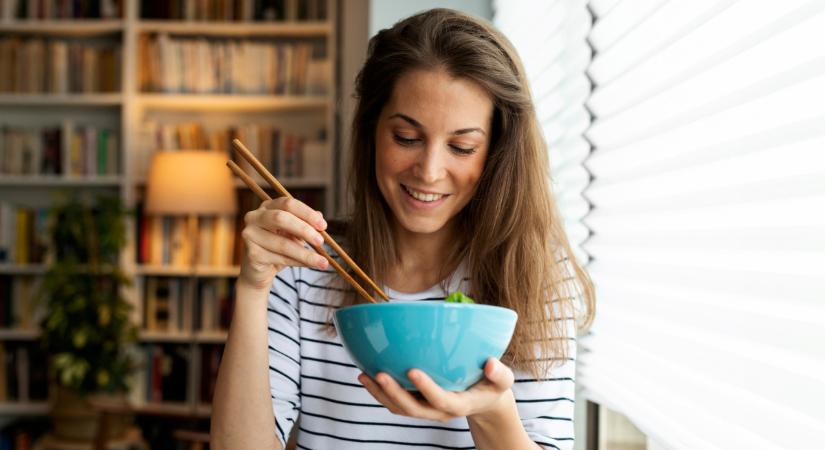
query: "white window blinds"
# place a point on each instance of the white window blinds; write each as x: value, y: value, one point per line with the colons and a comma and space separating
x: 708, y: 219
x: 551, y: 38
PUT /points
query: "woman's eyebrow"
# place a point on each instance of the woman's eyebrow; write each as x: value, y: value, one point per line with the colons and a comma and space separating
x: 417, y: 124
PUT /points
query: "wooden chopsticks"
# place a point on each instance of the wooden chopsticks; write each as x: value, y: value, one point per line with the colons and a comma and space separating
x: 253, y: 161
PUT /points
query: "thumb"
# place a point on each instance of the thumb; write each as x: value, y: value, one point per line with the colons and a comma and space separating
x: 498, y: 373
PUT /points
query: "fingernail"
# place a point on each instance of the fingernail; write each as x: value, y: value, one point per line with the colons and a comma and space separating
x: 318, y: 240
x: 413, y: 375
x: 320, y: 262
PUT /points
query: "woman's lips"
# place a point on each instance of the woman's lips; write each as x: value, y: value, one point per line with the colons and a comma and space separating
x: 423, y: 199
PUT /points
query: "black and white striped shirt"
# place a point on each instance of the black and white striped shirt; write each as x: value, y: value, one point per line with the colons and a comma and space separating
x: 311, y: 375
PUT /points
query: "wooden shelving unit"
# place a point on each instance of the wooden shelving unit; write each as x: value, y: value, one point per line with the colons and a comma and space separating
x: 124, y: 111
x: 227, y: 102
x: 257, y: 29
x: 78, y: 27
x: 114, y: 99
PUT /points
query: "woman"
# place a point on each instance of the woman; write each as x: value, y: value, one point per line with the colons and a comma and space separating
x: 451, y: 191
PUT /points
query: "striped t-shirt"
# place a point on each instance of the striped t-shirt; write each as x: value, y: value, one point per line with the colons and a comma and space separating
x: 312, y: 376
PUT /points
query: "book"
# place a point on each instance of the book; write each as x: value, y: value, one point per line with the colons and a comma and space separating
x: 163, y: 300
x: 59, y: 150
x: 60, y: 9
x: 210, y: 363
x: 217, y: 299
x: 281, y: 152
x: 60, y: 66
x: 237, y: 11
x: 180, y: 246
x: 206, y: 230
x: 23, y: 234
x: 175, y: 64
x: 167, y: 369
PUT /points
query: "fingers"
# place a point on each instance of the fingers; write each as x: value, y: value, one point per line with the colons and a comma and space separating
x: 442, y: 400
x: 375, y: 390
x: 262, y: 257
x: 286, y: 223
x: 498, y: 374
x: 264, y: 246
x: 406, y: 402
x: 275, y: 232
x: 298, y: 209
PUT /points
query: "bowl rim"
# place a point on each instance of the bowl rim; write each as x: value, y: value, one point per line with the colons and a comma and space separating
x: 424, y: 304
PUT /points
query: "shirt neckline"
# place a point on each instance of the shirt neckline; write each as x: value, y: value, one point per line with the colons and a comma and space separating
x: 454, y: 281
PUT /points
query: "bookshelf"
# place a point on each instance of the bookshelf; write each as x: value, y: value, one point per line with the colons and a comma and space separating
x: 134, y: 116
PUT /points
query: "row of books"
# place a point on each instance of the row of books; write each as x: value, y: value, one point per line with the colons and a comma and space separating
x: 23, y: 234
x: 232, y: 66
x: 210, y: 363
x: 216, y: 298
x: 164, y: 309
x: 236, y: 10
x: 18, y: 308
x: 165, y: 374
x: 163, y: 305
x: 164, y: 377
x: 165, y: 240
x: 281, y: 152
x: 60, y: 9
x: 22, y: 433
x: 66, y: 150
x: 23, y: 372
x: 58, y: 66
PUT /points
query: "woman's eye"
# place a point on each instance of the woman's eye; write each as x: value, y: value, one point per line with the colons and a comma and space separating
x: 463, y: 150
x: 404, y: 141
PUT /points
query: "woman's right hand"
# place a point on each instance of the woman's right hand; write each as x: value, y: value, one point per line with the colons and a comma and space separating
x: 274, y: 237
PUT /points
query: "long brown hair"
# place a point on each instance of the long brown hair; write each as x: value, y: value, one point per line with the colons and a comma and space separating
x: 516, y: 251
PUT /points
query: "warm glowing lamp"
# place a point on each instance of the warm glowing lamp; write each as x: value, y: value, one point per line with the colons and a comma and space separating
x: 191, y: 183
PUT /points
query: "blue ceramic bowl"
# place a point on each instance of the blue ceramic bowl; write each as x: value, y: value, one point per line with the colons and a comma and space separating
x: 450, y: 342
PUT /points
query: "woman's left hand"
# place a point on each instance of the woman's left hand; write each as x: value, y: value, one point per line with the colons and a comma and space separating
x: 488, y: 395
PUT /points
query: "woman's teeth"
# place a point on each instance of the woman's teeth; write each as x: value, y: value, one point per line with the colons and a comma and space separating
x: 421, y: 196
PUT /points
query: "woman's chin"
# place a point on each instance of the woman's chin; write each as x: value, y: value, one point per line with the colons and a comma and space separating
x: 421, y: 225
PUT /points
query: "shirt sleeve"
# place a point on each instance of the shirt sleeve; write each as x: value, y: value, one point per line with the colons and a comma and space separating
x: 284, y: 351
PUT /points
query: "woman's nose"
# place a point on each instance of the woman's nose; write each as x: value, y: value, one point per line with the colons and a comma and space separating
x: 430, y: 166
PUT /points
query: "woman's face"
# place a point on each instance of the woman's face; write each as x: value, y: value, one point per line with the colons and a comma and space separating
x: 431, y: 144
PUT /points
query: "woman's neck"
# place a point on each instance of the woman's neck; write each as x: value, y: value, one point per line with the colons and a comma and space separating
x: 421, y: 258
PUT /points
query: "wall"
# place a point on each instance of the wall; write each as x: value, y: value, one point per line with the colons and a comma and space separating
x: 384, y: 13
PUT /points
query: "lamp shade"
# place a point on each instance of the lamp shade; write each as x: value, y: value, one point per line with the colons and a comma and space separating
x: 190, y: 182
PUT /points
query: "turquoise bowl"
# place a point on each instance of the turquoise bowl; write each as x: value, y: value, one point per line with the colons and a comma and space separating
x: 450, y: 342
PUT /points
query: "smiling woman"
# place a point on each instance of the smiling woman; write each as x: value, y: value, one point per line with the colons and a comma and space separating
x: 450, y: 188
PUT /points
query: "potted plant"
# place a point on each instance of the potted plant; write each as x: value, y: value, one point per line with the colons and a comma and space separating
x: 86, y: 329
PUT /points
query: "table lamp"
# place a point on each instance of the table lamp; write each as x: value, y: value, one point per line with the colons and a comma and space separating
x: 191, y: 183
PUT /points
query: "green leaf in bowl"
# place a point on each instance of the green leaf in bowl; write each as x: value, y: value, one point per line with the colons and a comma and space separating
x: 458, y: 297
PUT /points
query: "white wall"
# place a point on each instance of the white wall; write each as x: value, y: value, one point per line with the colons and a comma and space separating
x: 384, y: 13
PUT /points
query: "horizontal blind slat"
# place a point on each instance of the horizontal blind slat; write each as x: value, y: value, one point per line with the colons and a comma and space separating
x: 736, y: 81
x: 796, y: 98
x: 734, y: 31
x: 611, y: 27
x: 668, y: 24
